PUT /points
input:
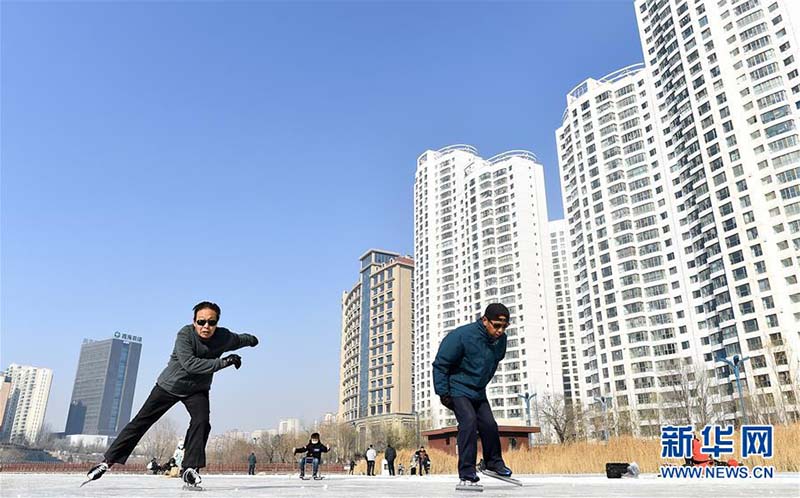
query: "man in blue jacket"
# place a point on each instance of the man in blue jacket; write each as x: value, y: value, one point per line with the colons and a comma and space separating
x: 465, y: 363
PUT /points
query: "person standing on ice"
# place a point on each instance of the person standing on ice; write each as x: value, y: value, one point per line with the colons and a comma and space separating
x: 187, y: 378
x: 371, y: 455
x: 465, y: 363
x: 390, y: 454
x: 251, y: 464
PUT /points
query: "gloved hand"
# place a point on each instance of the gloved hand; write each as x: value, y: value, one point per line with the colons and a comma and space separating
x: 250, y: 339
x: 232, y: 359
x: 447, y: 401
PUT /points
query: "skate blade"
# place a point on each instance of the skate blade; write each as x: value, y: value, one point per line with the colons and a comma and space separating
x: 469, y: 487
x: 494, y: 475
x: 188, y: 487
x: 85, y: 483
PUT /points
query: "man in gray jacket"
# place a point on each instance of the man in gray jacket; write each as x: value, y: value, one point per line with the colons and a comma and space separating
x: 187, y: 378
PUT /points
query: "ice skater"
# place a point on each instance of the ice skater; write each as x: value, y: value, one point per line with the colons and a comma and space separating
x: 187, y: 378
x: 313, y: 450
x: 465, y: 363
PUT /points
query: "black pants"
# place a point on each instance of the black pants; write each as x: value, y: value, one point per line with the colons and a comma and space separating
x: 154, y: 407
x: 251, y: 470
x: 370, y: 467
x: 390, y: 463
x: 474, y: 418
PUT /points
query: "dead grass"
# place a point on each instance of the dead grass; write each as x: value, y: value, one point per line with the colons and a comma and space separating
x: 591, y: 457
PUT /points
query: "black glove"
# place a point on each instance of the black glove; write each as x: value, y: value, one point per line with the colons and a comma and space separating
x: 232, y: 359
x: 250, y: 340
x: 447, y: 401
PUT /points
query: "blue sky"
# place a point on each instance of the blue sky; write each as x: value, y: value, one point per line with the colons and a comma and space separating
x: 158, y: 154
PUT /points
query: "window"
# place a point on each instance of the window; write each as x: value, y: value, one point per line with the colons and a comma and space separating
x: 771, y: 99
x: 779, y: 128
x: 750, y: 325
x: 775, y: 114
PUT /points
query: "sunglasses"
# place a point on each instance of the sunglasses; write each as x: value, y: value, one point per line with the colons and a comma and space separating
x: 499, y: 325
x: 202, y: 323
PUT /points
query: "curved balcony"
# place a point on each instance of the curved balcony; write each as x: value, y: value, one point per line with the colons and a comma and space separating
x: 462, y: 147
x: 514, y: 153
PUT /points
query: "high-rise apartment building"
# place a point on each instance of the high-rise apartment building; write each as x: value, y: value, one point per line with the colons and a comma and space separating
x: 481, y: 236
x: 680, y: 181
x: 628, y: 289
x: 376, y: 342
x: 560, y: 301
x: 724, y: 79
x: 26, y: 404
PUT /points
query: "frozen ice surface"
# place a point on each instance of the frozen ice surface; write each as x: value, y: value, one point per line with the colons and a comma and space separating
x: 260, y: 486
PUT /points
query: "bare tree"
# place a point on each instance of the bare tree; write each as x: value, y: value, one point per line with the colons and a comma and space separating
x: 160, y: 440
x: 624, y: 423
x: 561, y: 416
x: 284, y: 445
x: 340, y: 438
x: 45, y: 439
x: 780, y: 359
x: 267, y: 449
x: 687, y: 395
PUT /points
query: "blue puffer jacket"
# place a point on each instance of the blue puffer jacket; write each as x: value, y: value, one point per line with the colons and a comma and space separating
x: 466, y: 361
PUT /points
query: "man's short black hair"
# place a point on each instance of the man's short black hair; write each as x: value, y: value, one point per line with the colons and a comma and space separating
x: 207, y: 305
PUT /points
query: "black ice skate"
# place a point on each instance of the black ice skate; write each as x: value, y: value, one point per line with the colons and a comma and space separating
x: 96, y: 472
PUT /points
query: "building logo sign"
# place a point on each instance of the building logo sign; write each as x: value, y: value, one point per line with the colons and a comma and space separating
x: 127, y: 337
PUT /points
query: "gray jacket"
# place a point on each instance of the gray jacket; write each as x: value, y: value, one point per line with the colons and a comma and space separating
x: 193, y: 362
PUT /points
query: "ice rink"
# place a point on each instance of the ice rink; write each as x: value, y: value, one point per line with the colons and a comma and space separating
x: 219, y: 486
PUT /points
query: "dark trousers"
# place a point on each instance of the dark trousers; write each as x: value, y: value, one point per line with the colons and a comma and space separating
x: 370, y: 467
x: 476, y: 418
x: 390, y: 463
x: 154, y: 407
x: 251, y: 469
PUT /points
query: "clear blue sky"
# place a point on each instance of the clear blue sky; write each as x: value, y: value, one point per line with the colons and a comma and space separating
x: 158, y: 154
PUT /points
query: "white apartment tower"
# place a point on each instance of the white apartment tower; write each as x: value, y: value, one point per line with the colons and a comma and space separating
x: 681, y: 188
x: 724, y: 77
x: 561, y: 310
x: 27, y: 403
x: 629, y: 300
x: 481, y: 236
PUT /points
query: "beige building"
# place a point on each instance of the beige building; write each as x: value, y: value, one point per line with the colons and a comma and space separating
x: 27, y: 403
x: 376, y: 349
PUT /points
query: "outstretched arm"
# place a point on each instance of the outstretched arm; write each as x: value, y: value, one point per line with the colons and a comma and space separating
x: 241, y: 340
